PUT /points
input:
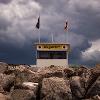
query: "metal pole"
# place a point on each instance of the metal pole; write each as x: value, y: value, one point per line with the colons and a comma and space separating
x: 39, y: 36
x: 67, y: 58
x: 52, y: 37
x: 67, y: 41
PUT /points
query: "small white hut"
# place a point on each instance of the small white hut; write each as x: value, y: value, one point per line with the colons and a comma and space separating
x: 48, y: 54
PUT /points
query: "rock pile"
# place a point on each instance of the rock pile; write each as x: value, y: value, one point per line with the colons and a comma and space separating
x: 20, y: 82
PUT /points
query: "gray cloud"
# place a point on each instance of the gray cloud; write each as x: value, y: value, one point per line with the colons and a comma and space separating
x: 5, y: 1
x: 4, y: 23
x: 15, y: 55
x: 92, y: 58
x: 18, y: 20
x: 89, y: 21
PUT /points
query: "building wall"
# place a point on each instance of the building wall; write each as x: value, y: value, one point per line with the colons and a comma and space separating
x: 49, y: 62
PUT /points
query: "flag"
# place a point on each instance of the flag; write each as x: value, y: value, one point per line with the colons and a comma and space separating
x: 38, y: 23
x: 66, y: 26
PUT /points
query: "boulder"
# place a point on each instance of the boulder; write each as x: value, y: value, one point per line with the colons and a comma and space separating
x: 31, y: 86
x: 3, y: 67
x: 51, y: 71
x: 96, y: 97
x: 25, y: 91
x: 4, y: 97
x: 23, y: 94
x: 7, y: 82
x: 95, y: 73
x: 1, y: 89
x: 55, y: 88
x: 1, y: 77
x: 36, y: 78
x: 26, y: 76
x: 77, y: 87
x: 82, y: 71
x: 34, y: 69
x: 68, y: 72
x: 45, y: 72
x: 94, y: 89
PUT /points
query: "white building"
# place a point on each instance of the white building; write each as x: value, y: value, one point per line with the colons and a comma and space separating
x: 48, y: 54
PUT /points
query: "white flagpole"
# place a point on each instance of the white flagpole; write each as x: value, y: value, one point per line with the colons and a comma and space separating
x: 39, y: 36
x: 39, y: 29
x: 66, y: 32
x: 52, y: 37
x: 67, y: 40
x: 67, y: 51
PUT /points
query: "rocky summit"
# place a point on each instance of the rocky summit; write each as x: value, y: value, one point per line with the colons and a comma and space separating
x: 22, y: 82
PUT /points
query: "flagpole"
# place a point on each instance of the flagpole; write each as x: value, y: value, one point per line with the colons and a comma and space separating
x: 39, y: 36
x: 39, y: 29
x: 52, y: 38
x: 66, y: 31
x: 67, y: 42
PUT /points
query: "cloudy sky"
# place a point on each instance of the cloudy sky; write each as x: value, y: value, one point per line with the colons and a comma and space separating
x: 18, y: 33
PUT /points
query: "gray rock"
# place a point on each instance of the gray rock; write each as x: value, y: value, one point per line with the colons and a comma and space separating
x: 77, y: 88
x: 68, y: 72
x: 55, y: 88
x: 94, y: 89
x: 23, y: 94
x: 25, y: 91
x: 1, y: 89
x: 26, y: 77
x: 4, y: 97
x: 3, y: 67
x: 7, y: 82
x: 93, y: 81
x: 96, y: 97
x: 51, y: 71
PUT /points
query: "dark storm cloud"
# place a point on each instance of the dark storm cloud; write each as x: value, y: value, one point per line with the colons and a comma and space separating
x: 15, y: 55
x: 89, y: 21
x: 5, y: 1
x: 94, y: 59
x: 76, y: 53
x: 4, y: 23
x: 18, y: 33
x: 83, y: 17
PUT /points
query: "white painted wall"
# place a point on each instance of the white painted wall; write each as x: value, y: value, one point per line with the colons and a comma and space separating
x: 49, y: 62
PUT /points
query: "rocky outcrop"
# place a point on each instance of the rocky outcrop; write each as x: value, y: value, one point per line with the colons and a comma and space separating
x: 3, y: 67
x: 8, y: 82
x: 94, y: 89
x: 4, y: 97
x: 55, y: 88
x: 68, y: 72
x: 22, y: 94
x: 77, y: 87
x: 22, y: 82
x: 51, y: 71
x: 25, y: 91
